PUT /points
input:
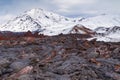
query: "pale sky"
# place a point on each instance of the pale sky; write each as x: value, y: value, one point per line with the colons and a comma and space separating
x: 69, y: 8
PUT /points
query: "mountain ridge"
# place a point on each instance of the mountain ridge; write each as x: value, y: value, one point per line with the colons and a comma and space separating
x: 49, y: 23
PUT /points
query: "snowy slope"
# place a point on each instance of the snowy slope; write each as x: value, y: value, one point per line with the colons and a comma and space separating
x: 106, y: 27
x: 21, y: 24
x: 111, y: 34
x: 101, y: 21
x: 47, y: 18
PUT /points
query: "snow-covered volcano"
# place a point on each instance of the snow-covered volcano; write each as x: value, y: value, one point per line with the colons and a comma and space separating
x: 45, y: 22
x: 49, y: 23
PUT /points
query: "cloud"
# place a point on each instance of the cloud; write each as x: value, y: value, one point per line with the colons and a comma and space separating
x: 19, y: 6
x: 86, y: 7
x: 69, y: 8
x: 65, y: 5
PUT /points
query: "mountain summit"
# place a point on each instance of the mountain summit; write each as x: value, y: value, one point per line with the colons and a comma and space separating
x: 40, y: 20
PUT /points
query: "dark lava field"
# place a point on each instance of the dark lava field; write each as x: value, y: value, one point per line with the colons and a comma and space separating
x: 63, y: 57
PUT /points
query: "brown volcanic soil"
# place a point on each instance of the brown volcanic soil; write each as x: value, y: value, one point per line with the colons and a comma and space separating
x: 63, y: 57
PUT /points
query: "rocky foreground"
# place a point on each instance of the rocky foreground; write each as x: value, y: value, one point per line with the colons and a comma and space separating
x: 63, y: 57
